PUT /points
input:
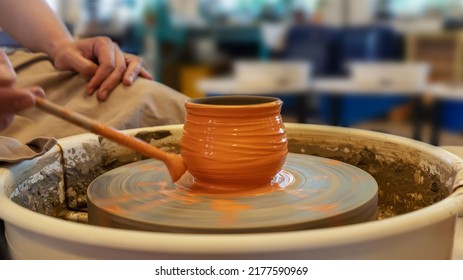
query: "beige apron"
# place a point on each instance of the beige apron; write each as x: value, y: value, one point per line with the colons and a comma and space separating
x: 145, y: 103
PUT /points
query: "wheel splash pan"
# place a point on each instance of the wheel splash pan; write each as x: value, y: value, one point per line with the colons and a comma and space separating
x: 419, y: 200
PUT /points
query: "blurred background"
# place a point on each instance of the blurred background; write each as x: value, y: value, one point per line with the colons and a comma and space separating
x: 189, y: 43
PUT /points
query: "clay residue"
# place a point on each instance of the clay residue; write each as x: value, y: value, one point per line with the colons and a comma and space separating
x: 404, y: 185
x: 40, y: 198
x: 76, y: 186
x: 147, y: 136
x: 39, y: 187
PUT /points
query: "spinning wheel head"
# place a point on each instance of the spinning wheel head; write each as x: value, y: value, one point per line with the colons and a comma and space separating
x: 310, y: 192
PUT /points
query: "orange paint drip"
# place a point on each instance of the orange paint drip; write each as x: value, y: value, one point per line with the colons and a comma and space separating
x: 116, y: 209
x: 318, y: 208
x: 189, y: 200
x: 150, y: 167
x: 146, y: 184
x: 229, y: 209
x: 110, y: 200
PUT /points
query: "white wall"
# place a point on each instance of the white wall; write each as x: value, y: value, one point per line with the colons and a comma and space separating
x: 350, y: 12
x: 361, y: 12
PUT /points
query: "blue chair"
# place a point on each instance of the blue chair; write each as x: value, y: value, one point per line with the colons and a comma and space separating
x: 315, y: 44
x: 451, y: 116
x: 369, y: 43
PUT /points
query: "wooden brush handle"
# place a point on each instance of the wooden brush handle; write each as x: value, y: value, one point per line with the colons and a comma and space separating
x: 101, y: 129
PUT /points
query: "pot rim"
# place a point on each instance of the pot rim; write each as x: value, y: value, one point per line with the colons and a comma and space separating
x: 24, y: 218
x: 233, y: 102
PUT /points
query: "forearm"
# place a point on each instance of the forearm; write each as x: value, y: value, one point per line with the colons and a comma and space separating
x: 34, y: 25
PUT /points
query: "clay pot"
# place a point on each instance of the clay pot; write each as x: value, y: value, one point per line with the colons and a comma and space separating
x: 233, y: 143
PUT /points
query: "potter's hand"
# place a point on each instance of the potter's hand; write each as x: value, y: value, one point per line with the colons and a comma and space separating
x: 13, y: 100
x: 101, y: 60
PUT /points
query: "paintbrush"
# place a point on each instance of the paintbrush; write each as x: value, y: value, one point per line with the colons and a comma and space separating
x: 174, y: 162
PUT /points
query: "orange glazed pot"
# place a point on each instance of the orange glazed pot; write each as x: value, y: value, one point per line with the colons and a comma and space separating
x: 233, y: 143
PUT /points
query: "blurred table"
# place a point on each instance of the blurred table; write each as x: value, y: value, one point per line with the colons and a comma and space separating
x: 339, y: 87
x: 335, y: 89
x: 441, y: 93
x: 229, y: 86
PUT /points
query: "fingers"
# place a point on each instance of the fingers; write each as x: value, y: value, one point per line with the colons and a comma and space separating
x: 145, y: 74
x: 115, y: 77
x: 134, y: 69
x: 77, y: 56
x: 104, y: 52
x: 7, y: 73
x: 5, y: 120
x: 115, y: 66
x: 103, y: 61
x: 14, y: 100
x: 37, y: 91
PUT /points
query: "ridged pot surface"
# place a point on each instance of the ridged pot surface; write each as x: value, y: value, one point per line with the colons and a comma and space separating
x: 234, y: 143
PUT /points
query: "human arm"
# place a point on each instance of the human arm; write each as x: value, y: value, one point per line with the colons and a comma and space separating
x: 35, y: 26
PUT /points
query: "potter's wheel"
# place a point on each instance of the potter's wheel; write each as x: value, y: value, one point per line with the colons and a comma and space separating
x: 310, y: 192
